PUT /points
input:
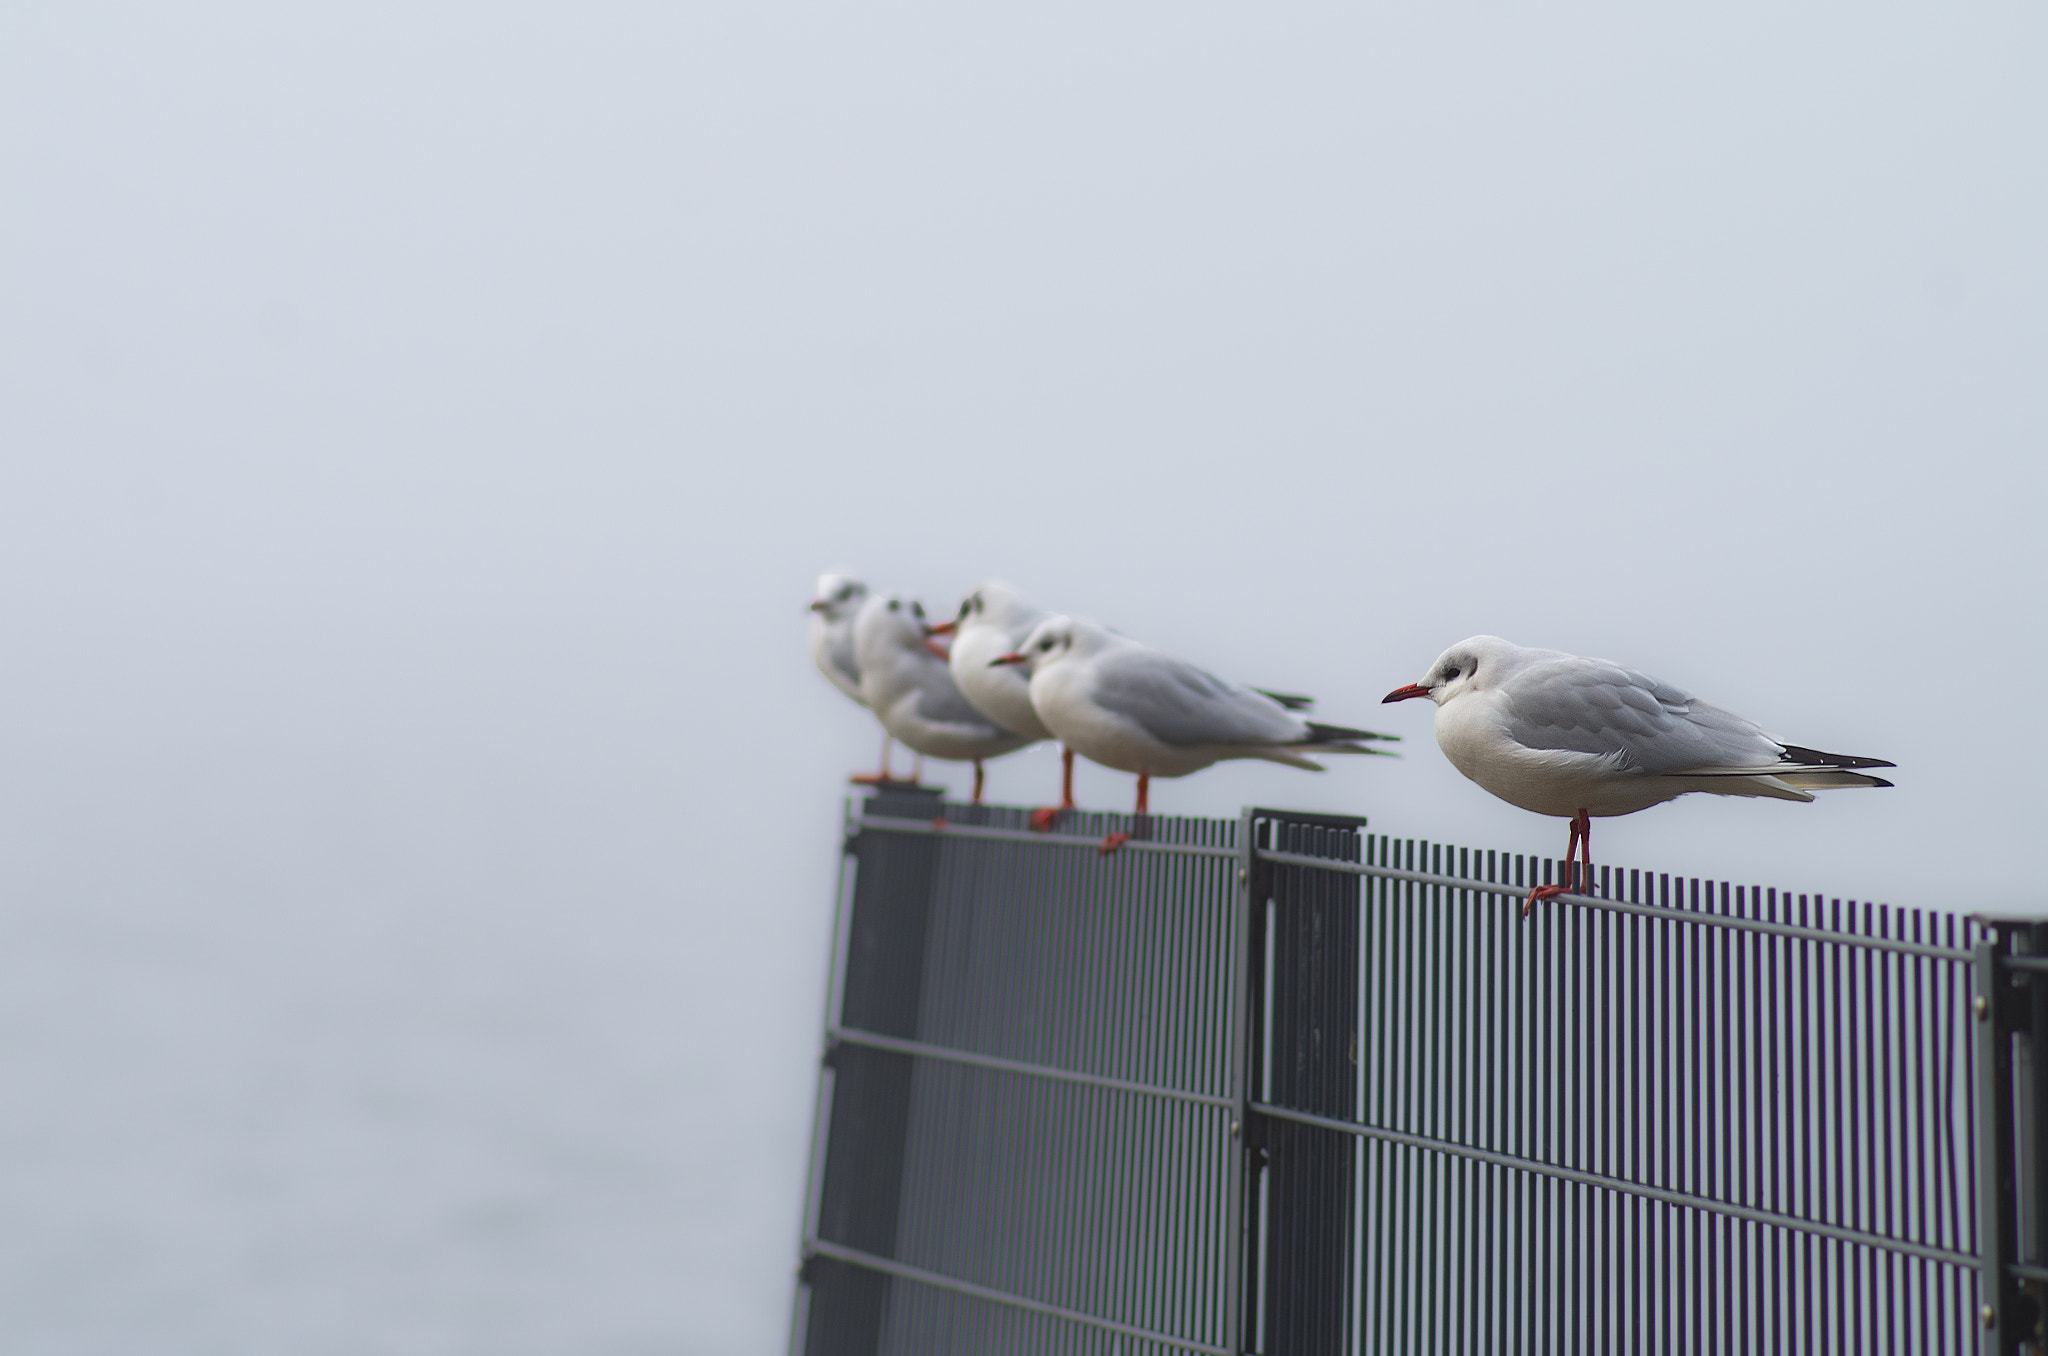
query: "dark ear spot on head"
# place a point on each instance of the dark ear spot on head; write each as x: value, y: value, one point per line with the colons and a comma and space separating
x: 893, y: 605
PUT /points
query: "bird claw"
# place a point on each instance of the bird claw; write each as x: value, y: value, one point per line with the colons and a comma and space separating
x: 1113, y: 842
x: 1042, y: 818
x: 939, y: 824
x: 1540, y: 892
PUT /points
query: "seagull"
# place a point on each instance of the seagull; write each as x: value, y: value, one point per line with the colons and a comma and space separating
x: 992, y: 621
x: 838, y: 602
x: 1136, y: 709
x: 906, y: 683
x: 1562, y: 735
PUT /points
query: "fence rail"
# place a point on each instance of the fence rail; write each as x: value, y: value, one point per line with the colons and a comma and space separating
x: 1278, y: 1085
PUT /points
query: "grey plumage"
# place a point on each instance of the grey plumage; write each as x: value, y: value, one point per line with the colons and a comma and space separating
x: 1180, y: 704
x: 1647, y: 726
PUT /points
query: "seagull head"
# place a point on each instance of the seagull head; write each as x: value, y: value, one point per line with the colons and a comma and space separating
x: 993, y: 603
x: 1465, y: 667
x: 839, y: 596
x: 897, y: 622
x: 1050, y: 641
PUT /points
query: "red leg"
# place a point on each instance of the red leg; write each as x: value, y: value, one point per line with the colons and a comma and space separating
x: 1042, y: 818
x: 977, y: 783
x: 1582, y: 831
x: 1586, y: 852
x: 1117, y: 840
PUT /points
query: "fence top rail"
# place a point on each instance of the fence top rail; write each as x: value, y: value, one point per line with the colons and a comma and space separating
x: 942, y: 828
x: 1719, y: 920
x: 946, y: 829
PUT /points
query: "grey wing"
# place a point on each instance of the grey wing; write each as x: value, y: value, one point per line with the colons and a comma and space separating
x: 1592, y: 706
x: 1179, y: 704
x: 940, y: 700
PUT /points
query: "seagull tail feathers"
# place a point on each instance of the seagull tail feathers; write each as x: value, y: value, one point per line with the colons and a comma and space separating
x: 1343, y: 734
x: 1814, y: 757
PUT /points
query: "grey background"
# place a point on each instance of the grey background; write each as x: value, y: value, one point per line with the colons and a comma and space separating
x: 422, y: 425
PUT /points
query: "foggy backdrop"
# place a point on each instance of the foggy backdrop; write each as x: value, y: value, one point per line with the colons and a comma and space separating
x: 422, y: 426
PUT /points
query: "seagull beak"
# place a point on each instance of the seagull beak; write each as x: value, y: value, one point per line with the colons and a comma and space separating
x: 944, y: 628
x: 1011, y: 658
x: 936, y: 648
x: 819, y: 604
x: 1402, y: 694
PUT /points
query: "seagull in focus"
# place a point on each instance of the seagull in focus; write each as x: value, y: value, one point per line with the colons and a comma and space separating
x: 993, y: 621
x: 1561, y: 735
x: 838, y: 601
x: 905, y: 681
x: 1136, y: 709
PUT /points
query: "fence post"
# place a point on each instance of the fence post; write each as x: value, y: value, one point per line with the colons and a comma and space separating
x: 1310, y: 920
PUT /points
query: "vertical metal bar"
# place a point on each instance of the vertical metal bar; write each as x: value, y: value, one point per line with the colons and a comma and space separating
x: 1239, y: 1044
x: 2031, y: 1114
x: 1994, y: 1149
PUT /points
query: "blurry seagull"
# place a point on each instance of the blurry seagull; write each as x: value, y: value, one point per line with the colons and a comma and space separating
x: 906, y: 683
x: 993, y: 621
x: 837, y: 603
x: 1136, y: 709
x: 1561, y: 735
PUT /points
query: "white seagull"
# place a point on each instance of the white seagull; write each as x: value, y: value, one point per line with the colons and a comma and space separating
x: 837, y: 603
x: 1136, y: 709
x: 993, y: 621
x: 1562, y: 735
x: 906, y: 683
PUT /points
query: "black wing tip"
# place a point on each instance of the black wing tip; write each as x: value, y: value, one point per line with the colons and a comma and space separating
x: 1341, y: 734
x: 1292, y: 701
x: 1795, y: 754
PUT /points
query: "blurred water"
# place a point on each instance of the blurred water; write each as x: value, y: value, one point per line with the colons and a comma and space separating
x: 275, y: 1124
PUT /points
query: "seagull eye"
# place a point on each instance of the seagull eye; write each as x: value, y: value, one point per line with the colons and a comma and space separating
x: 894, y: 605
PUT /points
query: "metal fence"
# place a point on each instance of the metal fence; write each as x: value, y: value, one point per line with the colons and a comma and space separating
x: 1281, y: 1086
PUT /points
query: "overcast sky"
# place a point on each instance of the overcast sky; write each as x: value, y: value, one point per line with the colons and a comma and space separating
x: 422, y: 425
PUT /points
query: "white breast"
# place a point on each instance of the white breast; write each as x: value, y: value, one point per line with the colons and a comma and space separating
x: 1002, y: 693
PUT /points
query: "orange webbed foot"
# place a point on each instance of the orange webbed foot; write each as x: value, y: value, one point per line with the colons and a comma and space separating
x: 1042, y: 818
x: 1113, y: 842
x: 1540, y: 892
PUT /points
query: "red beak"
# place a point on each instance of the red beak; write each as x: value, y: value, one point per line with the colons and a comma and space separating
x: 1011, y: 658
x: 819, y: 605
x: 944, y: 628
x: 936, y: 648
x: 1402, y: 694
